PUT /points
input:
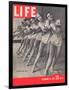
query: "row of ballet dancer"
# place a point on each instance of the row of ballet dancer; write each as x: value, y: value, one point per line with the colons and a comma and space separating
x: 47, y: 32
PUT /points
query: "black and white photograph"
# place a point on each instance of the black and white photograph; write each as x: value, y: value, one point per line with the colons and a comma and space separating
x: 39, y: 43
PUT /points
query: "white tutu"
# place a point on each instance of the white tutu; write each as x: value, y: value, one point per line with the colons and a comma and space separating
x: 45, y: 38
x: 32, y: 36
x: 39, y: 36
x: 56, y: 40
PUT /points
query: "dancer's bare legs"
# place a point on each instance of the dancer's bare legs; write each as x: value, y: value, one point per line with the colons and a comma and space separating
x: 25, y: 46
x: 51, y: 69
x: 49, y: 61
x: 29, y: 49
x: 21, y: 46
x: 32, y: 52
x: 38, y: 55
x: 23, y: 42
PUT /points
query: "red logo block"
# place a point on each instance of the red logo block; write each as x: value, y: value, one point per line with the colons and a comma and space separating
x: 24, y: 11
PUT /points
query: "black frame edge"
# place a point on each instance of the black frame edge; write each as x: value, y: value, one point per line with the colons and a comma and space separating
x: 10, y: 44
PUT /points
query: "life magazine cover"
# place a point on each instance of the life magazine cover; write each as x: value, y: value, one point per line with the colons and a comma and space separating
x: 38, y: 44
